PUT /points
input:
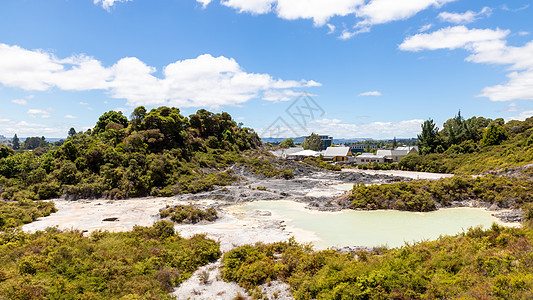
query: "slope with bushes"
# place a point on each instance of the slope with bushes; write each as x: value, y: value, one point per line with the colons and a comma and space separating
x: 159, y: 153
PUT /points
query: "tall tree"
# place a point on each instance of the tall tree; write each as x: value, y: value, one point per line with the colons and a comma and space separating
x: 71, y: 132
x: 16, y: 142
x: 428, y: 140
x: 454, y: 130
x: 394, y: 143
x: 312, y: 142
x: 108, y: 118
x: 287, y: 143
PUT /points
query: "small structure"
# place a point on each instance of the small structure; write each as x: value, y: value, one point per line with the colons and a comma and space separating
x: 368, y: 158
x: 303, y: 154
x: 339, y: 154
x: 392, y: 156
x: 286, y: 153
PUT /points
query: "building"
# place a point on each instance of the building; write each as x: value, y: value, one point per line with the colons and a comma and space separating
x: 360, y: 148
x: 386, y: 156
x: 368, y: 158
x: 327, y: 141
x: 339, y: 154
x: 303, y: 154
x: 286, y: 153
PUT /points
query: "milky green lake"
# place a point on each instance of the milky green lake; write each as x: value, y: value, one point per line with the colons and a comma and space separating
x: 370, y: 228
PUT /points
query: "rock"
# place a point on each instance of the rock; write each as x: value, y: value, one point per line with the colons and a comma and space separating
x: 262, y: 213
x: 512, y: 216
x: 114, y: 219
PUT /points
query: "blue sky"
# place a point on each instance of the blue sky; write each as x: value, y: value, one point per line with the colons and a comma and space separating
x: 375, y: 68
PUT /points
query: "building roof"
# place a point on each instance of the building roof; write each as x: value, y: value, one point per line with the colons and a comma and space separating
x: 370, y: 155
x: 305, y: 153
x: 292, y: 150
x: 336, y: 151
x: 392, y: 152
x: 407, y: 148
x: 366, y: 154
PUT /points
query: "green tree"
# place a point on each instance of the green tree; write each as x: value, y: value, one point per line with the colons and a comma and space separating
x: 494, y: 135
x: 16, y: 142
x: 32, y: 143
x: 453, y: 130
x: 137, y: 116
x: 394, y: 143
x: 71, y: 132
x: 313, y: 142
x: 428, y: 140
x: 5, y: 151
x: 287, y: 143
x: 109, y: 118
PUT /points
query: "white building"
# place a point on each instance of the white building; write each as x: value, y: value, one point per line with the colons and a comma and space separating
x: 368, y: 158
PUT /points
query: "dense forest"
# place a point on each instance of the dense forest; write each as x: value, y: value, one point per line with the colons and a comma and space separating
x: 158, y: 153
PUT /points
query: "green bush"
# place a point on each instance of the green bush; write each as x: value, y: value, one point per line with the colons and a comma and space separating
x: 188, y: 214
x: 145, y: 263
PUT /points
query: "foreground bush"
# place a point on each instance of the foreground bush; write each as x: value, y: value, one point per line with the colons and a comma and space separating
x: 14, y: 214
x: 425, y: 195
x: 188, y: 214
x: 145, y: 263
x: 478, y: 264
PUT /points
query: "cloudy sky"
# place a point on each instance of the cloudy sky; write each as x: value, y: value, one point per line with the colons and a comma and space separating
x: 367, y: 68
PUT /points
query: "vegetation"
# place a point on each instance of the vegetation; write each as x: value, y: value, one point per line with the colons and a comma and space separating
x: 312, y: 142
x: 491, y: 264
x: 287, y: 143
x: 318, y: 162
x: 425, y: 195
x: 142, y: 264
x: 189, y: 214
x: 472, y: 146
x: 14, y: 214
x: 157, y: 153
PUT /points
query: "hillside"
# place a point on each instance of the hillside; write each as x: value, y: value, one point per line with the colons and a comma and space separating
x: 472, y: 146
x: 158, y: 153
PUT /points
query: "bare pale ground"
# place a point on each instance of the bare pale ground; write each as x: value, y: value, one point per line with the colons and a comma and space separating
x: 233, y: 229
x: 407, y: 174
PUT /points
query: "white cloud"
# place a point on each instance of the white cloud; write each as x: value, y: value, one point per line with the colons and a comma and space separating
x: 376, y: 130
x: 489, y: 47
x: 331, y: 28
x: 523, y: 33
x: 384, y: 11
x: 366, y: 13
x: 370, y: 93
x: 70, y: 117
x: 26, y: 129
x: 20, y: 101
x: 425, y: 28
x: 204, y: 3
x: 205, y: 81
x: 107, y: 4
x: 522, y: 116
x: 38, y: 112
x: 464, y: 18
x: 84, y: 103
x: 250, y: 6
x: 451, y: 38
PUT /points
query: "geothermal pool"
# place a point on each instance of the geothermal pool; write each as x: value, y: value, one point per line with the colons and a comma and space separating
x: 369, y: 228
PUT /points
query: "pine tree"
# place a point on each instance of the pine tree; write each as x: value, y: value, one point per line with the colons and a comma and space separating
x: 16, y: 142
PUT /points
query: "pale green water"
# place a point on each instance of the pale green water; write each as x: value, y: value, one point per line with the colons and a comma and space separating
x: 371, y: 228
